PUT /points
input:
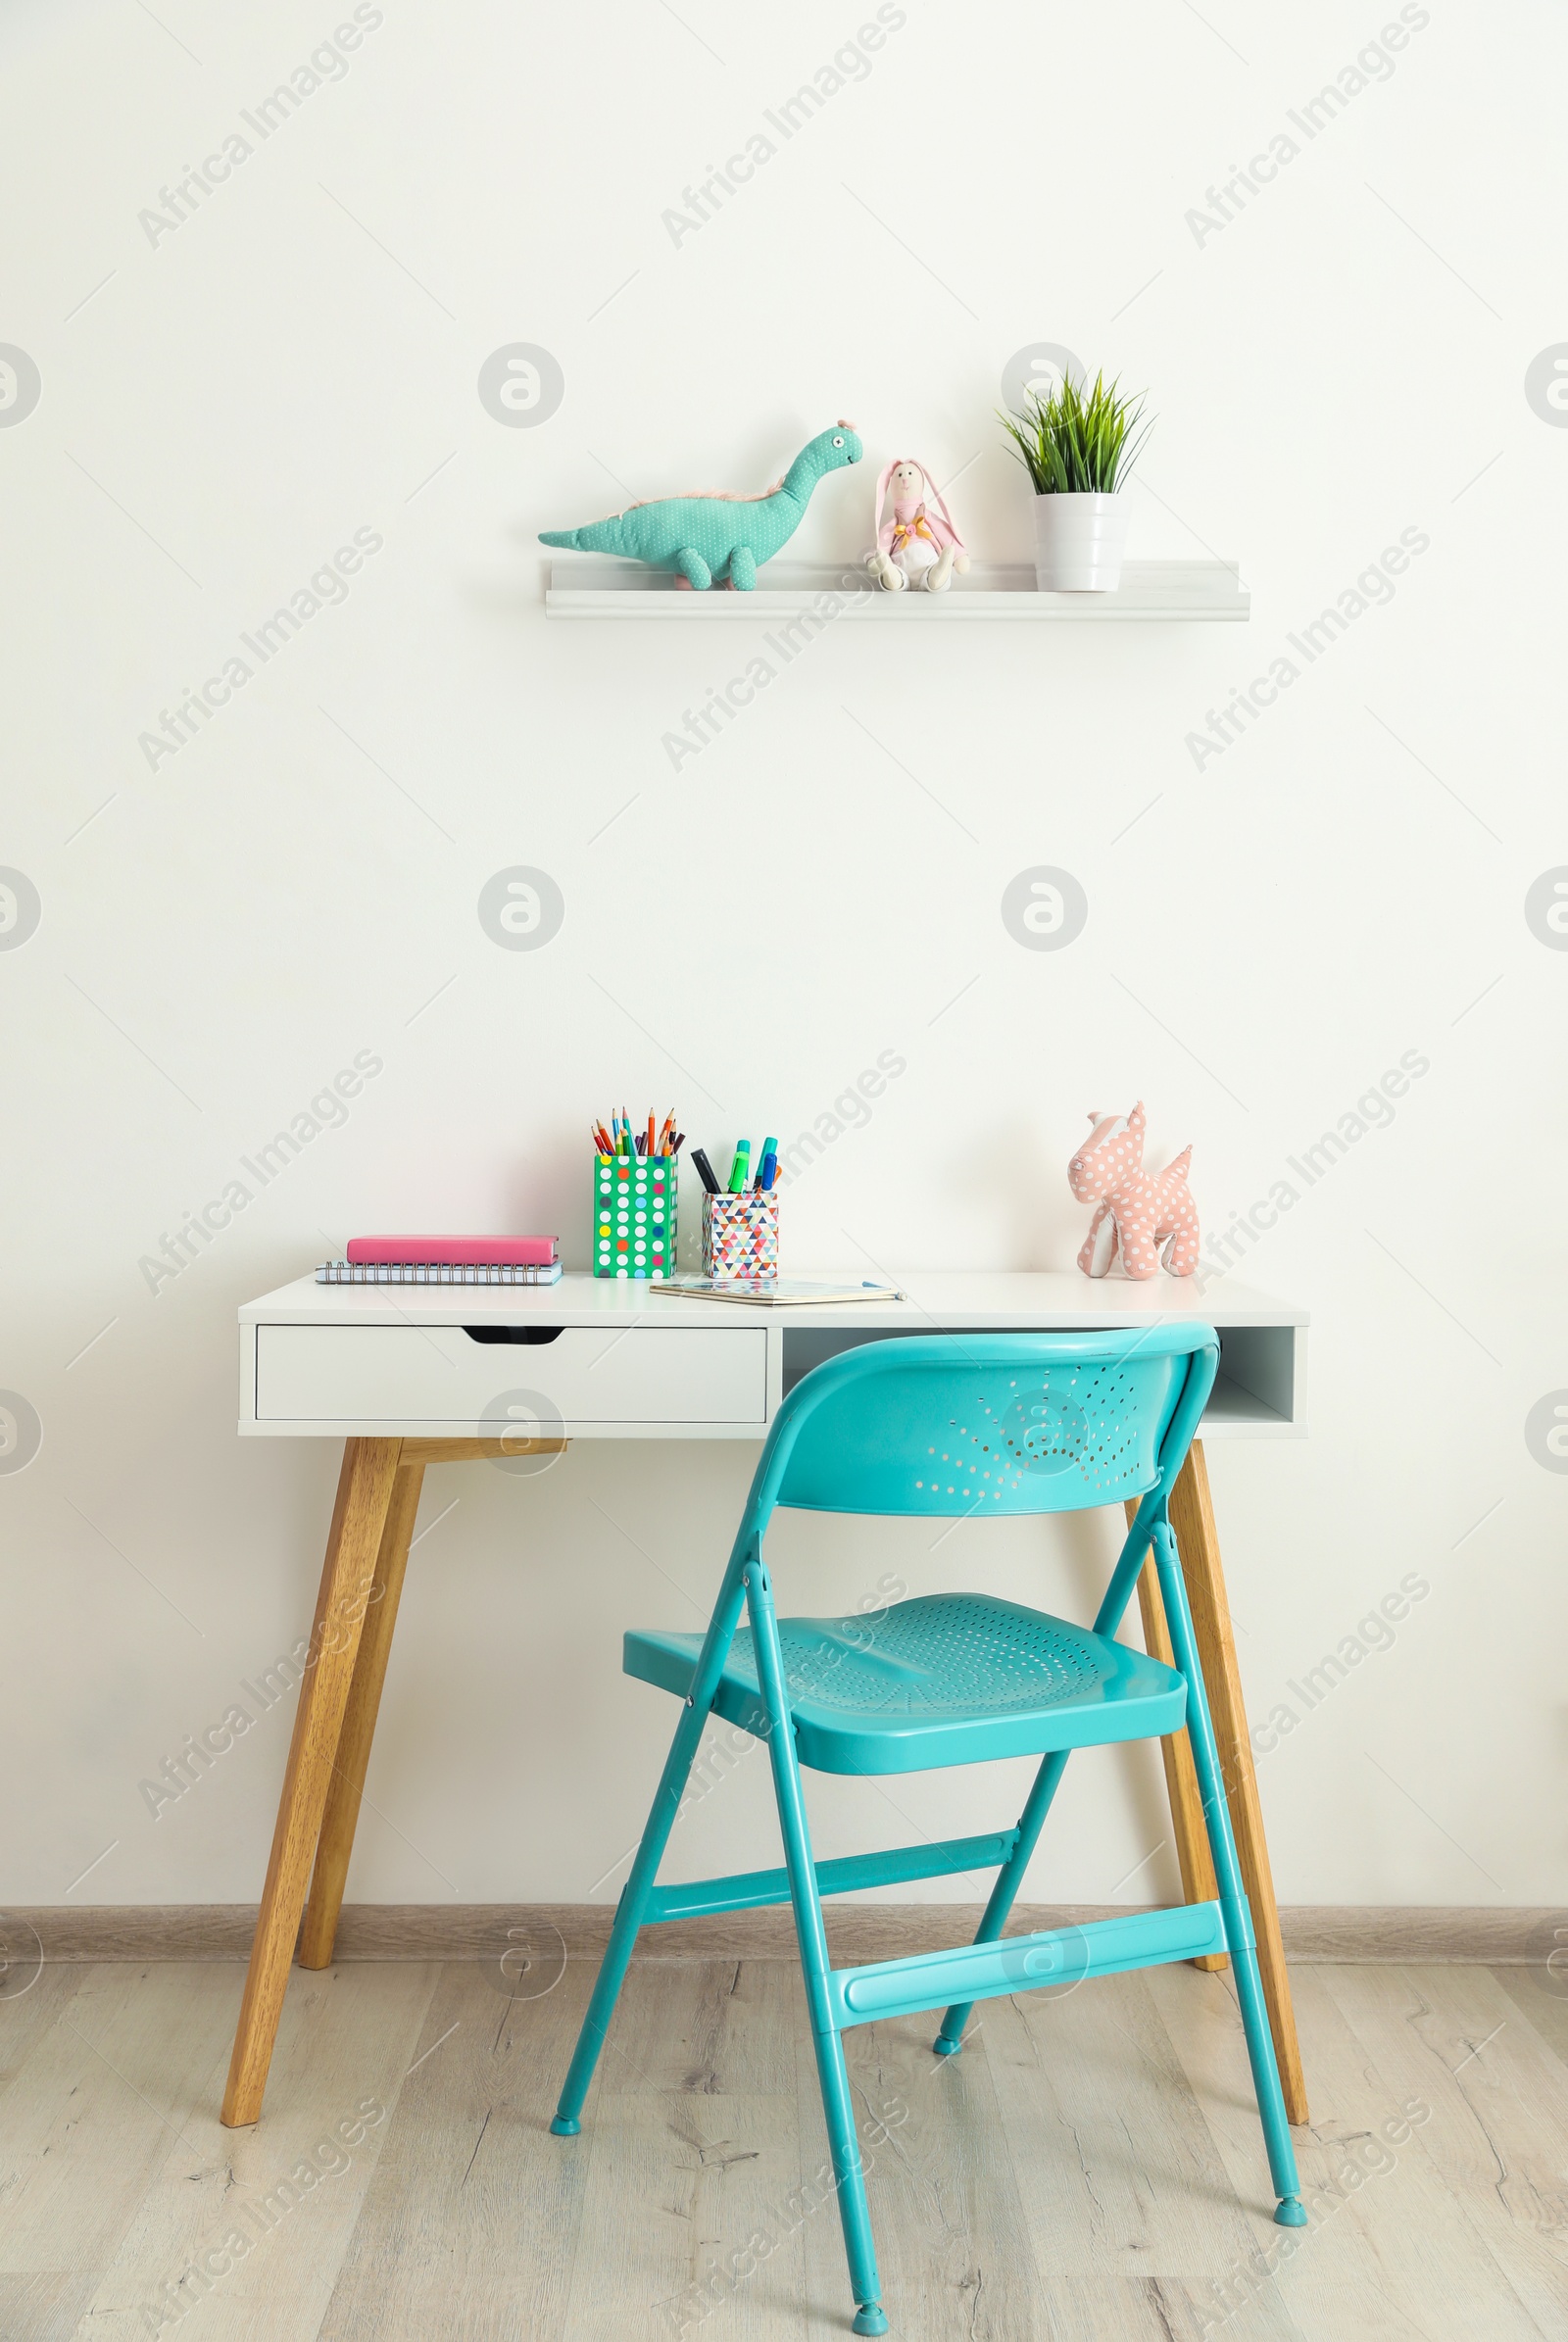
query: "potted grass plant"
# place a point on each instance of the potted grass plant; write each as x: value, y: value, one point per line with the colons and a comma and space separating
x: 1077, y: 446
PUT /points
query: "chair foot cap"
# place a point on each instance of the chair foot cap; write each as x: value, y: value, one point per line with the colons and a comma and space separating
x: 943, y: 2048
x: 565, y: 2126
x: 1290, y: 2213
x: 870, y: 2318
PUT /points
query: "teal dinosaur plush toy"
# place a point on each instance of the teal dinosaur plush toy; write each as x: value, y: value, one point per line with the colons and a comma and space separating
x: 715, y: 537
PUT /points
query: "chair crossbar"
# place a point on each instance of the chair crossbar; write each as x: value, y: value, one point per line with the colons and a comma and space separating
x: 751, y: 1890
x: 1020, y: 1963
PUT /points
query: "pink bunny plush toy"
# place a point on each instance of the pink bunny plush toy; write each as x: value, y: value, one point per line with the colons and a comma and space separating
x: 916, y: 544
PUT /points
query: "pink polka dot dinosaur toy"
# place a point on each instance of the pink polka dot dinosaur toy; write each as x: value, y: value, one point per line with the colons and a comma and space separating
x: 1148, y: 1212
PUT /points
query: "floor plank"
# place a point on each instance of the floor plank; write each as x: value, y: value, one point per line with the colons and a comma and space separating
x: 102, y: 2096
x: 951, y: 2237
x: 1453, y: 2038
x: 470, y: 2222
x: 241, y: 2233
x: 1093, y: 2307
x: 1117, y: 2168
x: 723, y: 2027
x: 1544, y: 2006
x: 1390, y: 2253
x: 691, y: 2221
x: 44, y: 2305
x: 697, y: 2081
x: 26, y: 2016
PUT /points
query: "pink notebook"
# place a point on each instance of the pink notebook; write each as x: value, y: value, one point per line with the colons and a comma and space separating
x: 459, y: 1252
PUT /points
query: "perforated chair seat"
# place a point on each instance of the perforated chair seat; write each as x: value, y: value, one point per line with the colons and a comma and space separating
x: 942, y: 1680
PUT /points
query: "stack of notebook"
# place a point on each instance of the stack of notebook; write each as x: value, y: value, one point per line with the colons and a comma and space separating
x: 445, y: 1260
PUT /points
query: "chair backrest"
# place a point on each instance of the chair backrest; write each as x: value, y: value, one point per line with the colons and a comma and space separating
x: 989, y: 1423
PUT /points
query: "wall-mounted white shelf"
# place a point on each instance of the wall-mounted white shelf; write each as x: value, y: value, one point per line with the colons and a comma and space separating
x: 592, y: 586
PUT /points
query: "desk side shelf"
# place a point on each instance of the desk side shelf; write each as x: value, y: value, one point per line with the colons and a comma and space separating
x: 1259, y: 1392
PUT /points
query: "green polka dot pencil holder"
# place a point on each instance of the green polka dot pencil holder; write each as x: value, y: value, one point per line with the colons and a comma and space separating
x: 740, y: 1235
x: 634, y: 1215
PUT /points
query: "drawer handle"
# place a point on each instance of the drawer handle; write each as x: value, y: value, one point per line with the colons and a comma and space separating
x: 528, y: 1335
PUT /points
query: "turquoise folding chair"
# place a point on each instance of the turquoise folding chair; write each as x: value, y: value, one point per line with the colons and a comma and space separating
x: 939, y: 1425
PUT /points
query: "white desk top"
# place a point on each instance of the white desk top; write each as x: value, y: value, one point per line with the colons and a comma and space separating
x: 977, y: 1299
x: 619, y: 1360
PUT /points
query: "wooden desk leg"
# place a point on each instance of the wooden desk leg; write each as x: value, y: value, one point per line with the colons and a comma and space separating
x: 347, y: 1782
x: 364, y: 1493
x: 1191, y: 1516
x: 1181, y: 1779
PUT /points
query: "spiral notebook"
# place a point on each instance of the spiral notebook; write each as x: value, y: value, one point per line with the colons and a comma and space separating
x: 436, y: 1272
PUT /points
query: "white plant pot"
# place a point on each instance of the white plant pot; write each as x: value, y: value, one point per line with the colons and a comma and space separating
x: 1079, y: 542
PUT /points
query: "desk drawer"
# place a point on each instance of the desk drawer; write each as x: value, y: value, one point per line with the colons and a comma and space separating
x: 438, y: 1374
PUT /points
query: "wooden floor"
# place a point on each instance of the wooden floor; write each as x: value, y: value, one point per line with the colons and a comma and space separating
x: 1089, y: 2168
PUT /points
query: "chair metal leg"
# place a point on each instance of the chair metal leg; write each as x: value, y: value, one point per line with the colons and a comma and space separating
x: 848, y: 2179
x: 650, y: 1853
x: 1181, y: 1780
x: 1004, y: 1894
x: 1290, y: 2213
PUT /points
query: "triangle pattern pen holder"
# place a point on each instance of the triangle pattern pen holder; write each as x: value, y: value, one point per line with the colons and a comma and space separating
x: 740, y: 1235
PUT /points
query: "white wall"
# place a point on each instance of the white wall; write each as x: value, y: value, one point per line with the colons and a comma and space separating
x: 225, y: 405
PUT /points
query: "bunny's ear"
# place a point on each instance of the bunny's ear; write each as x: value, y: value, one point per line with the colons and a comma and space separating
x: 935, y: 496
x: 883, y: 479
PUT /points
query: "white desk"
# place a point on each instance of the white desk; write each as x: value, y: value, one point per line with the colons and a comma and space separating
x: 412, y: 1375
x: 613, y: 1361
